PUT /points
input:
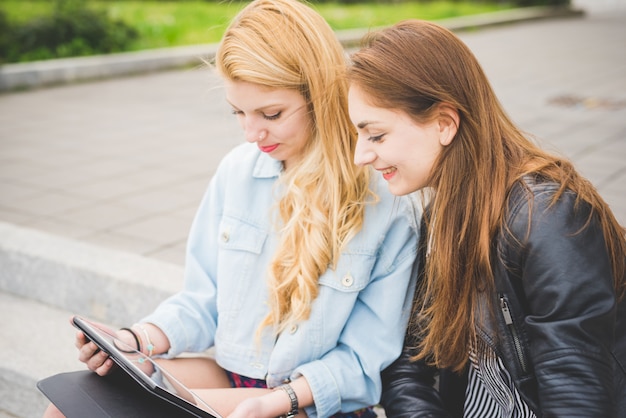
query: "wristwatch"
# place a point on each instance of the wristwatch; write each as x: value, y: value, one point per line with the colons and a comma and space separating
x: 293, y: 398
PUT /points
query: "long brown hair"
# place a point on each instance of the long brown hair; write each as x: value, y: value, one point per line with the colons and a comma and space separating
x: 415, y: 66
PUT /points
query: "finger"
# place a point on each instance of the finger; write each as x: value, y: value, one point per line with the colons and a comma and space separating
x: 80, y: 339
x: 106, y: 367
x: 87, y: 351
x: 96, y: 361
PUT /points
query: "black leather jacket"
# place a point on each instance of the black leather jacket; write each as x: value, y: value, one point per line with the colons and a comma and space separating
x: 558, y: 330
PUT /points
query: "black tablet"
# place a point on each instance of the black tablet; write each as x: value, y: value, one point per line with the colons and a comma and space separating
x: 145, y: 371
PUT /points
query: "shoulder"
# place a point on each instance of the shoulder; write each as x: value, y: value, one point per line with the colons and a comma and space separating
x: 537, y: 209
x: 244, y: 155
x: 389, y: 228
x: 389, y: 208
x: 535, y: 195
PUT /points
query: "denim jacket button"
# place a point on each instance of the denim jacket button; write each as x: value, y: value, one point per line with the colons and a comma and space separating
x: 293, y: 329
x: 347, y: 280
x: 225, y: 236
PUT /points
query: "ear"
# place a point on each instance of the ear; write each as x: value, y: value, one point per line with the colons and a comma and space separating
x: 449, y: 121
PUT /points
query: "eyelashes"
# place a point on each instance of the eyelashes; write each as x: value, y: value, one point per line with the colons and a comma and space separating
x: 272, y: 117
x: 267, y: 117
x: 376, y: 138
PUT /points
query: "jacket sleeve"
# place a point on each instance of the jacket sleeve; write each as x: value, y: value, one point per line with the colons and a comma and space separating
x: 570, y: 304
x: 409, y: 389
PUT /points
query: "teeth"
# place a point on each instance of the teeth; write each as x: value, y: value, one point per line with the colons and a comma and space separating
x: 389, y: 170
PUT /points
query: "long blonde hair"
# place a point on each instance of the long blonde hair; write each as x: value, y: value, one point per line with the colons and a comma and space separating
x: 415, y: 66
x: 286, y: 44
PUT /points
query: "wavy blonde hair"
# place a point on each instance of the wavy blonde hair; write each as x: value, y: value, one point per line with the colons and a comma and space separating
x: 415, y: 66
x: 286, y: 44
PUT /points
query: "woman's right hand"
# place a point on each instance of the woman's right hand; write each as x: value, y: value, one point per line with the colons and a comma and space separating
x: 88, y: 352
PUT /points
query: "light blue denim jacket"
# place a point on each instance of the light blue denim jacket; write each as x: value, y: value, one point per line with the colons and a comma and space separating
x: 357, y: 323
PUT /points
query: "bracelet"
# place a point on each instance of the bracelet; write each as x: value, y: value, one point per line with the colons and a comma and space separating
x: 134, y: 334
x: 293, y: 398
x: 149, y: 345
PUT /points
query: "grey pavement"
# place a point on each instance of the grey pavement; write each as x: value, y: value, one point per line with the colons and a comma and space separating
x: 99, y: 180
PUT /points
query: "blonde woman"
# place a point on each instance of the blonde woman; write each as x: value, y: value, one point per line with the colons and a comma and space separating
x: 298, y: 264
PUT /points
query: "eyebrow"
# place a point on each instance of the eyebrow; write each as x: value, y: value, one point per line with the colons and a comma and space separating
x: 259, y: 109
x: 364, y: 124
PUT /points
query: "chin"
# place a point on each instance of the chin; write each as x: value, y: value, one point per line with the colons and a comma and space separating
x: 398, y: 190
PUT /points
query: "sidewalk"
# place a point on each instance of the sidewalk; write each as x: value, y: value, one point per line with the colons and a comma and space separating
x: 123, y: 163
x: 99, y: 181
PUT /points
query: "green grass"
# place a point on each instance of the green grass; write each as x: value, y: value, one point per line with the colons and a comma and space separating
x: 368, y: 15
x: 176, y: 23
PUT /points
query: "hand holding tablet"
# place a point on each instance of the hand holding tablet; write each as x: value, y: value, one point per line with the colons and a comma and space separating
x: 145, y: 371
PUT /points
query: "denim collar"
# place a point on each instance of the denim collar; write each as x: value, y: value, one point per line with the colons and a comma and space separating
x: 267, y: 167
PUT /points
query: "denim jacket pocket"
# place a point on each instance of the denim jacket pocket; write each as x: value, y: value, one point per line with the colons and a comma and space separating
x: 237, y: 235
x: 239, y: 269
x: 352, y: 274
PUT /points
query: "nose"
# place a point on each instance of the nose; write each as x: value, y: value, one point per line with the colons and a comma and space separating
x: 363, y: 154
x: 254, y: 136
x: 254, y: 131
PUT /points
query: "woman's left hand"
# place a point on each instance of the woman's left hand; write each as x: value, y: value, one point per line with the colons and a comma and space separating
x: 252, y: 408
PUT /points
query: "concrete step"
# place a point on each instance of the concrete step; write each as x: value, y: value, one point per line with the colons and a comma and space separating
x: 36, y: 341
x: 102, y: 284
x: 44, y: 279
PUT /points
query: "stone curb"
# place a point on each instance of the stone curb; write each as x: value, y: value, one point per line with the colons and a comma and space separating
x: 103, y: 284
x: 60, y: 71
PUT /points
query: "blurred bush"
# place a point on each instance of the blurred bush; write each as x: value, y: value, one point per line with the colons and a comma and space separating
x: 73, y: 29
x: 5, y: 40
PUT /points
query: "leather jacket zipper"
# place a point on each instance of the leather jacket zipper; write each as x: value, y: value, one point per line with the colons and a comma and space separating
x: 508, y: 319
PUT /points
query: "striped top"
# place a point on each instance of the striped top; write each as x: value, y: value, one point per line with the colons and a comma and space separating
x: 490, y: 390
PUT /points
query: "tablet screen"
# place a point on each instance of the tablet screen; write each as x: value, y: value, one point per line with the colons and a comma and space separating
x: 146, y: 371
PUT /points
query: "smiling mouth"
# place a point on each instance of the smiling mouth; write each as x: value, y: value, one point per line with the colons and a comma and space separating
x: 388, y: 172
